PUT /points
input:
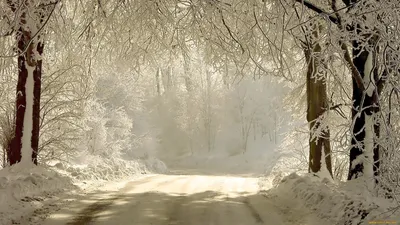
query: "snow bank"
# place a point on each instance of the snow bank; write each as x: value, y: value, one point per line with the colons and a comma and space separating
x: 23, y: 190
x: 349, y: 203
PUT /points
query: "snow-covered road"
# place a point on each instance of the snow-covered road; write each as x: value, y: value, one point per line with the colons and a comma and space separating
x: 184, y: 200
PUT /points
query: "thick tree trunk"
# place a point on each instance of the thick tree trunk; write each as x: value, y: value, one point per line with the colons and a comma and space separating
x: 24, y: 147
x: 15, y: 152
x: 37, y: 77
x: 364, y: 150
x: 317, y: 104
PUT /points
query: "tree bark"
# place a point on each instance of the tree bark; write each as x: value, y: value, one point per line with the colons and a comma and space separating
x: 317, y: 104
x: 37, y: 76
x: 30, y: 50
x: 364, y: 104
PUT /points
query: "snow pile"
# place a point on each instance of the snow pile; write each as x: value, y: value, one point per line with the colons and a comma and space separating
x: 349, y: 203
x: 23, y: 190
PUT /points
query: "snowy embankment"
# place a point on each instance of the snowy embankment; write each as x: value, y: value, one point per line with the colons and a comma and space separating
x: 348, y: 203
x: 28, y: 194
x: 23, y: 191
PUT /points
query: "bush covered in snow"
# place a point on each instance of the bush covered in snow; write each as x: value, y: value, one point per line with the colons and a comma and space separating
x: 112, y: 169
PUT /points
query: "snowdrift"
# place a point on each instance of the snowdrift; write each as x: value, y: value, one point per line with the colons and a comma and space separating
x: 23, y: 190
x: 348, y: 203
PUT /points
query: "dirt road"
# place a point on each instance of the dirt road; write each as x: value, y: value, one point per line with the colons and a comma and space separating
x: 183, y: 200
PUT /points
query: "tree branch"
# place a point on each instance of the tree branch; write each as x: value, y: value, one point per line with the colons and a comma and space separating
x: 12, y: 5
x: 318, y: 10
x: 230, y: 32
x: 335, y: 19
x: 34, y: 35
x: 353, y: 69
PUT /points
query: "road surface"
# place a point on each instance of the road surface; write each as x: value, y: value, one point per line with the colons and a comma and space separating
x: 184, y: 200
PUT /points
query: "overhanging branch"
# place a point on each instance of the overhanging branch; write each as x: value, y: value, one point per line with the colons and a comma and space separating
x: 353, y: 70
x: 318, y: 10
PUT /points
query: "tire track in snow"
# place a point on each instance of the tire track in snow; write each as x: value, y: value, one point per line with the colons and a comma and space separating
x: 253, y: 211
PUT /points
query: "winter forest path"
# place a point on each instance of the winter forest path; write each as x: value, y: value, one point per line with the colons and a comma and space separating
x: 183, y: 200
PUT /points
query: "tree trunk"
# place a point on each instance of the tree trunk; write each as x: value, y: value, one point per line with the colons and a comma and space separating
x: 37, y: 78
x: 24, y: 147
x: 317, y: 104
x: 364, y: 150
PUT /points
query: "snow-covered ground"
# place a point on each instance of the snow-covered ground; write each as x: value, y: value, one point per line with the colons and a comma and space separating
x: 24, y: 191
x: 187, y: 199
x: 242, y: 189
x: 29, y: 194
x: 348, y: 203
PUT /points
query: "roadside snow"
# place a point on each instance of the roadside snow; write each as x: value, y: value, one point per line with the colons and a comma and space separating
x: 29, y: 194
x: 23, y: 190
x: 348, y: 203
x: 100, y: 171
